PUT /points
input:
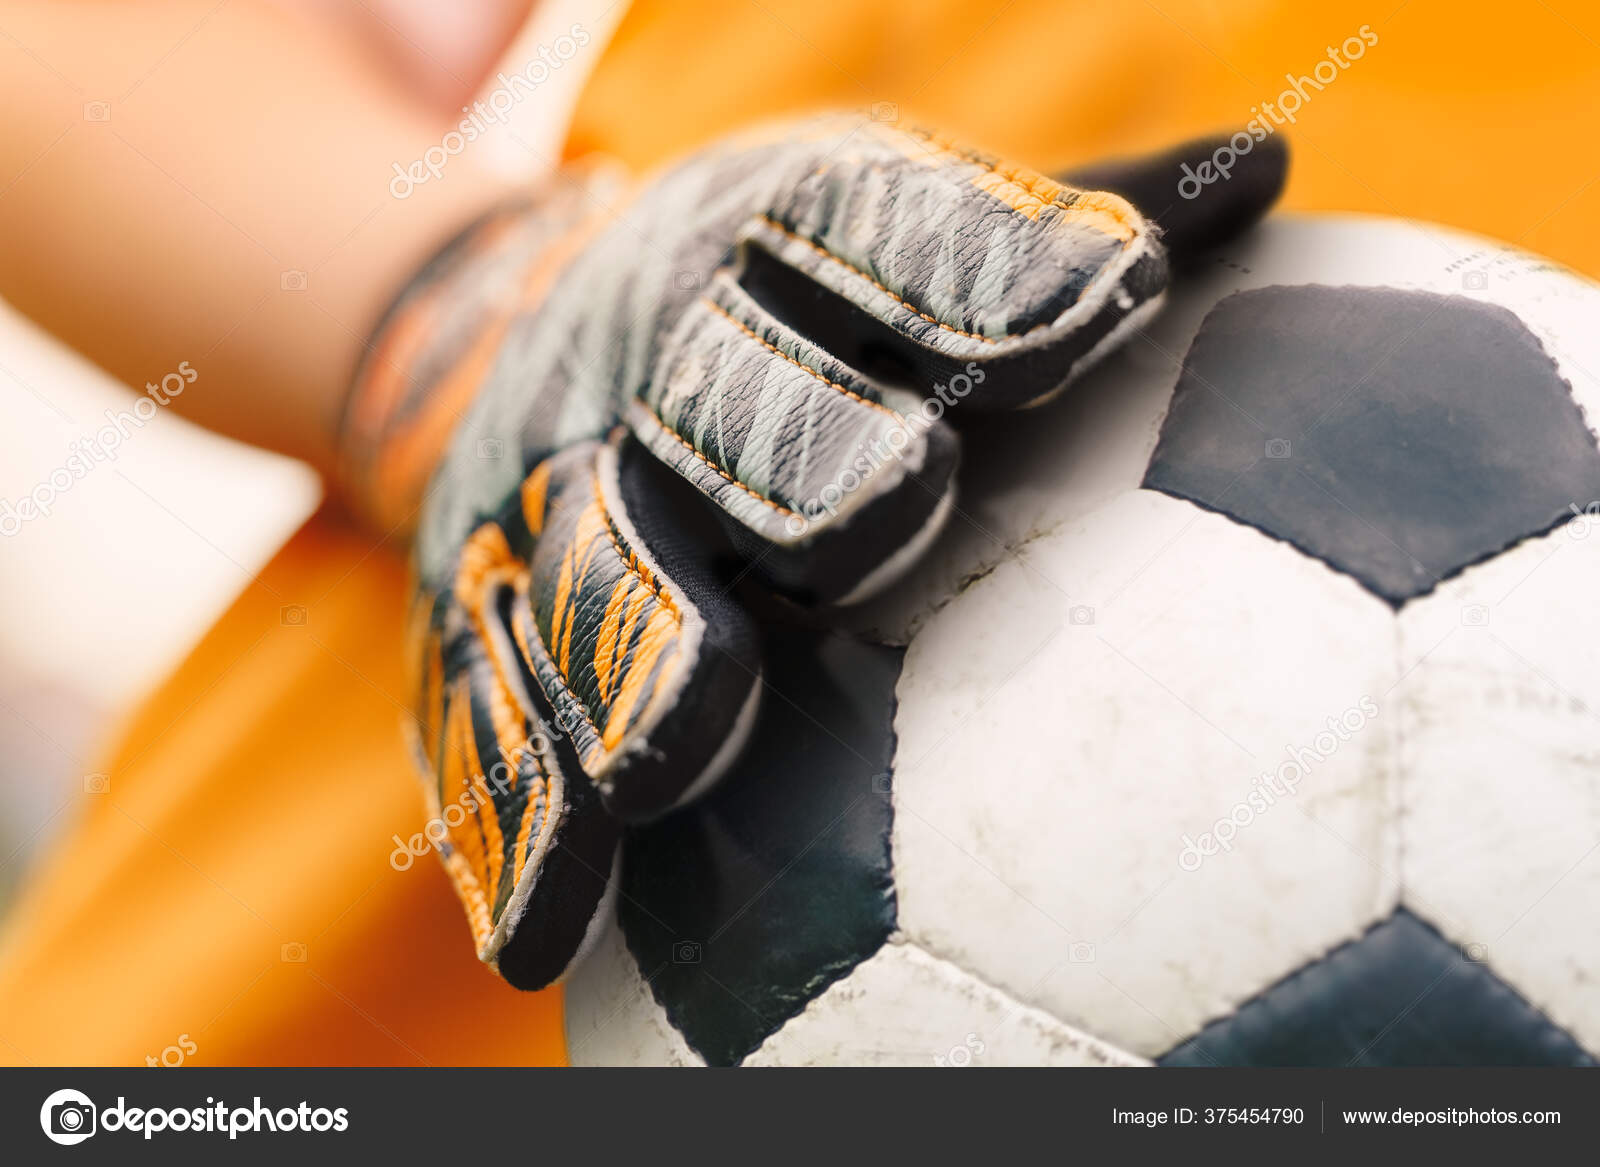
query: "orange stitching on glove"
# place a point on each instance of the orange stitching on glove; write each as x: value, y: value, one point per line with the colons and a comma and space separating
x: 486, y: 561
x: 631, y: 562
x: 527, y: 655
x: 468, y: 851
x: 633, y: 567
x: 1028, y: 192
x: 684, y: 442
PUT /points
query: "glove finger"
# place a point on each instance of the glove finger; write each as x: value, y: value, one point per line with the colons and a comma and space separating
x: 650, y: 669
x: 601, y: 674
x: 822, y: 478
x: 911, y: 259
x: 510, y: 808
x: 1200, y: 193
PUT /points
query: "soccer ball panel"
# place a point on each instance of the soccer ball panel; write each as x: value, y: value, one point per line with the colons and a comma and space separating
x: 1144, y: 690
x: 1501, y: 762
x: 745, y: 906
x: 1383, y: 431
x: 611, y: 1017
x: 1399, y: 995
x: 903, y: 1007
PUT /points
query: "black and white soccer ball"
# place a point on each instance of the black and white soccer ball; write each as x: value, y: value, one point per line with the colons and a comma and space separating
x: 1247, y: 713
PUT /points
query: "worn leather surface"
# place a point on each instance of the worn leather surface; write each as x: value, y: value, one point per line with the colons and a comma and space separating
x: 1462, y: 387
x: 1399, y: 995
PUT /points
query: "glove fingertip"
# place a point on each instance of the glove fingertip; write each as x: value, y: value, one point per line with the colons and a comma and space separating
x: 681, y: 754
x: 1200, y: 193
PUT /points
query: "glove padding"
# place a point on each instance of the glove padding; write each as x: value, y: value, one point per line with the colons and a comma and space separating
x: 757, y: 354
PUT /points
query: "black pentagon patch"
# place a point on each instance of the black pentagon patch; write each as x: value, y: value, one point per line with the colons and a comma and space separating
x: 1398, y: 436
x: 1401, y: 995
x: 742, y: 908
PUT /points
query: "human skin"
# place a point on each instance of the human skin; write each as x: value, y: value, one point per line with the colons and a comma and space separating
x: 167, y: 166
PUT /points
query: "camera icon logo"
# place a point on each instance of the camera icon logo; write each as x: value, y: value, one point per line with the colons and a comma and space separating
x: 67, y: 1117
x: 1476, y: 953
x: 292, y: 615
x: 491, y: 449
x: 686, y: 952
x: 97, y: 111
x: 1475, y: 615
x: 292, y: 281
x: 293, y: 952
x: 96, y: 783
x: 1475, y: 281
x: 1277, y: 448
x: 1080, y: 614
x: 686, y: 281
x: 1081, y: 953
x: 885, y: 111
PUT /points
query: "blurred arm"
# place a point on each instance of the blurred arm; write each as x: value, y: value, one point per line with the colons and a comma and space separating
x: 183, y: 181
